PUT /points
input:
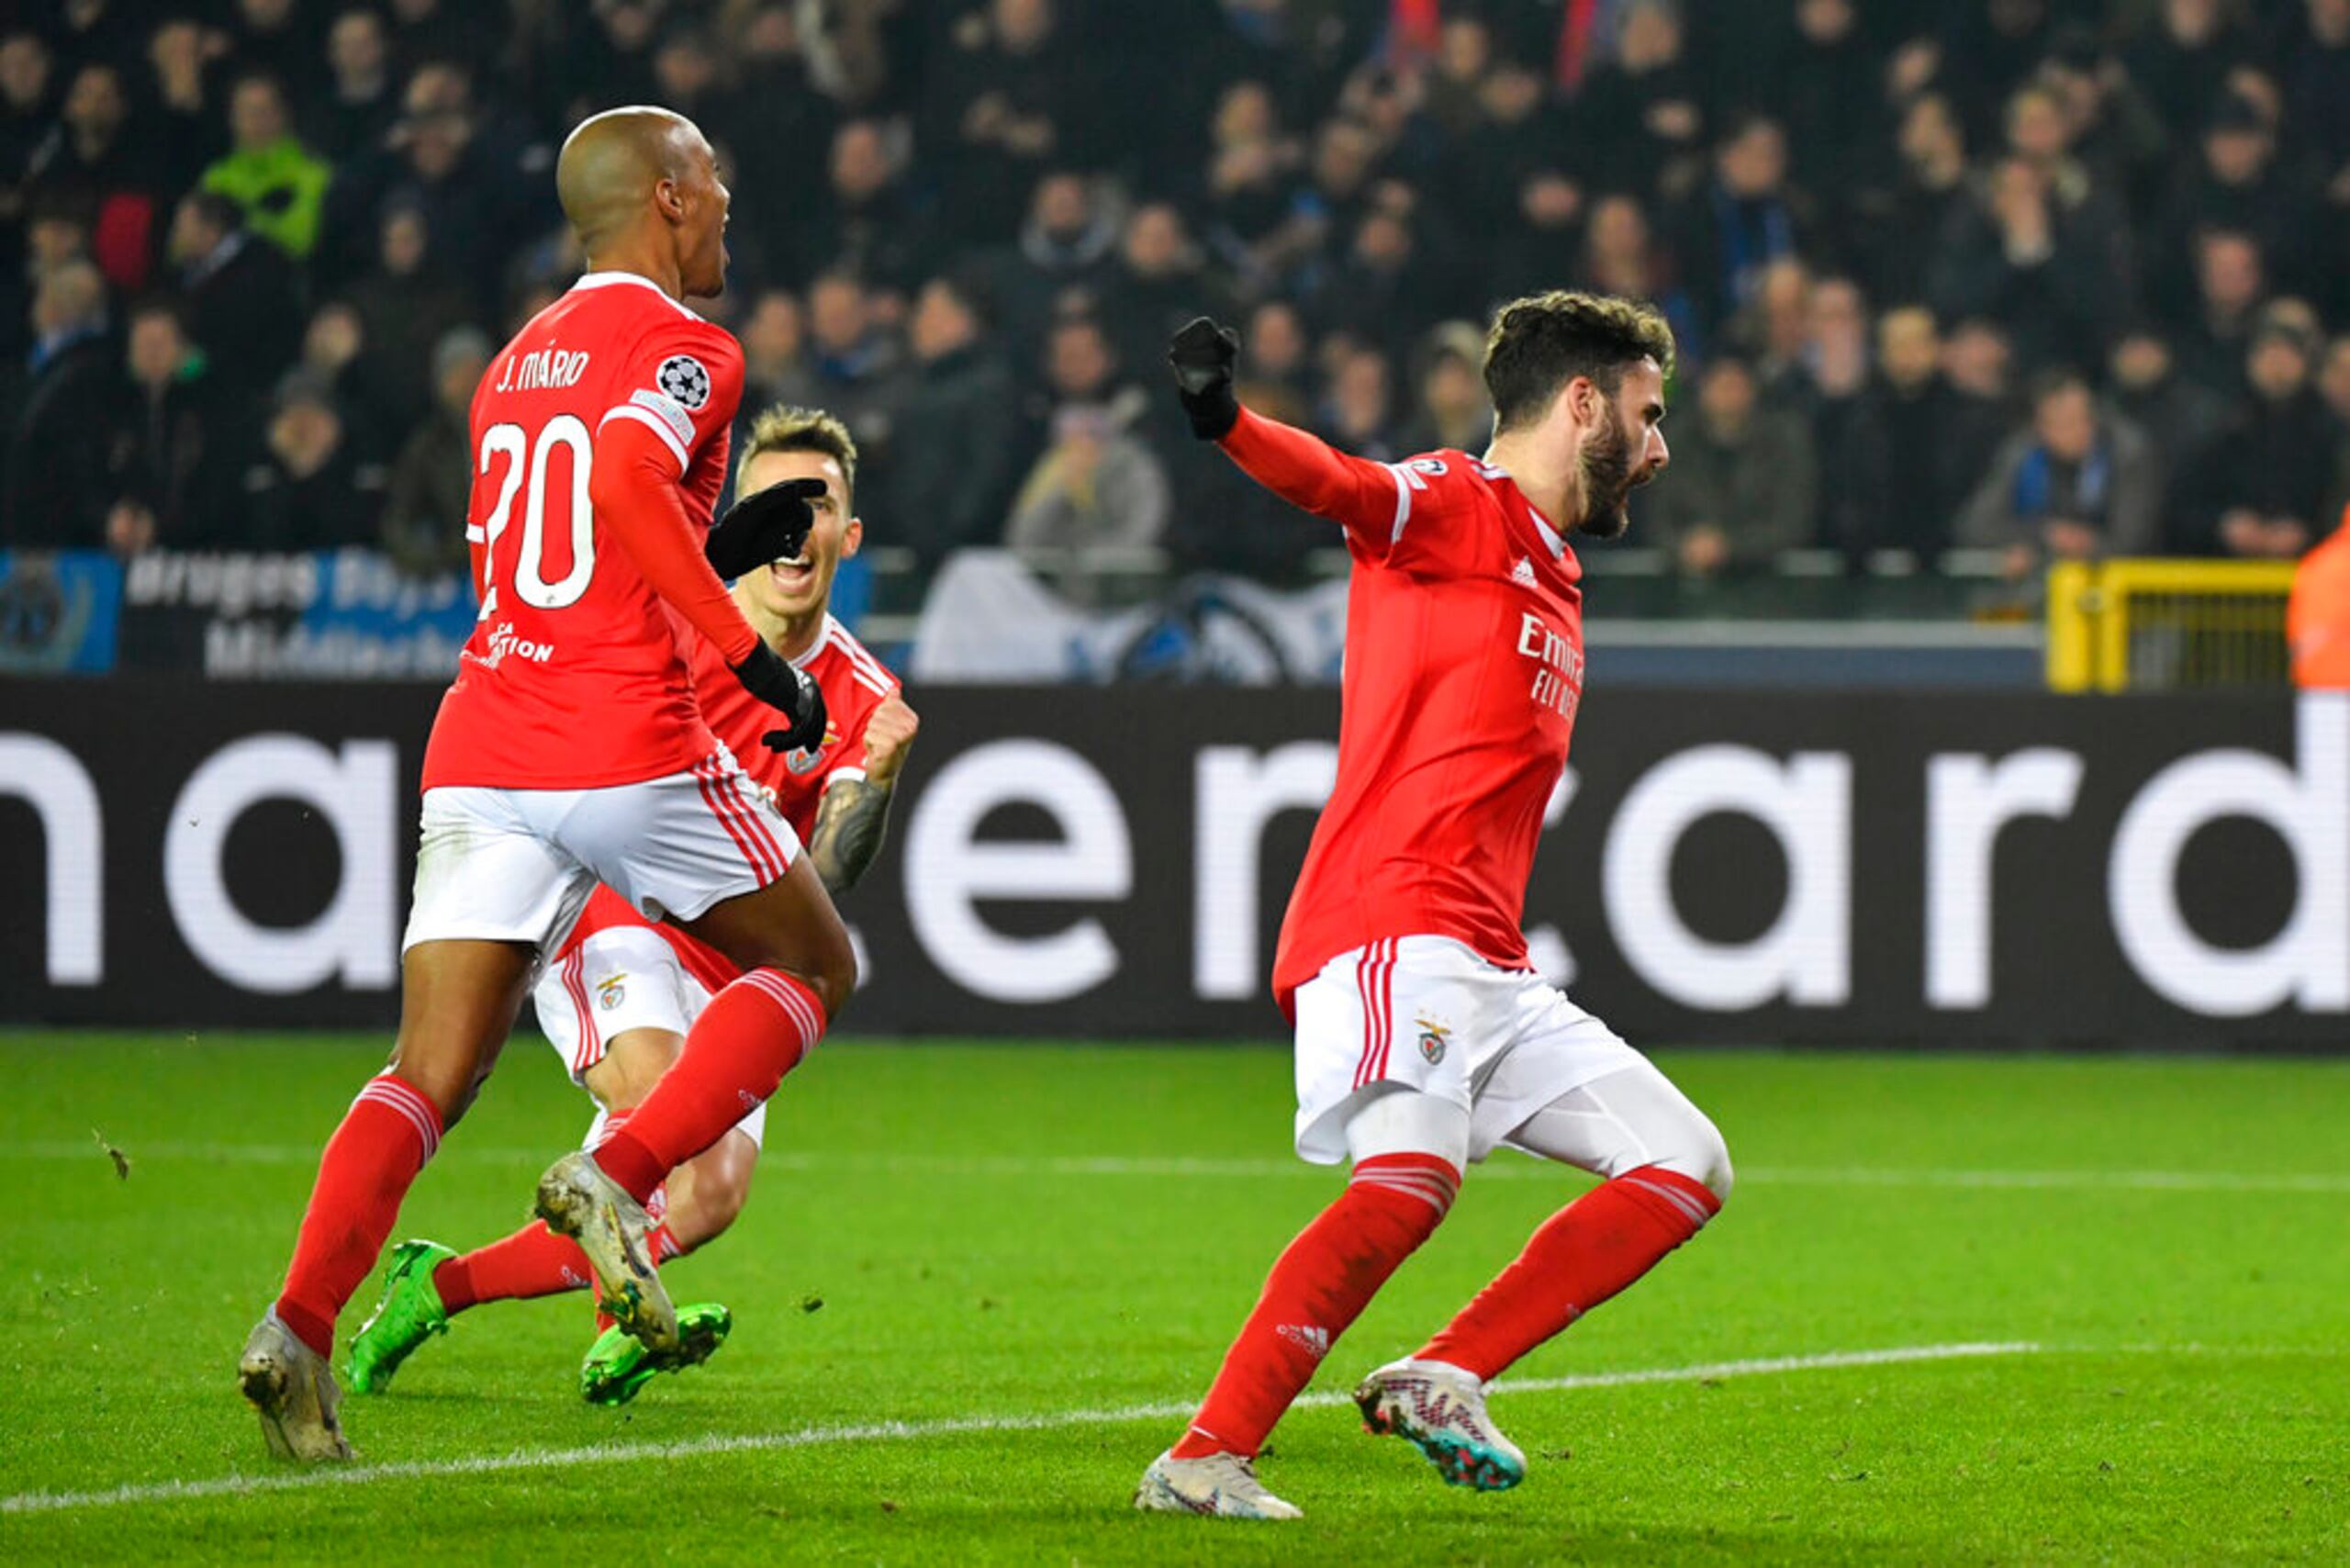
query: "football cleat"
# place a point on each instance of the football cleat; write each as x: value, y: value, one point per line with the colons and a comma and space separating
x: 618, y: 1368
x: 294, y: 1390
x: 1440, y: 1410
x: 406, y: 1314
x: 1222, y: 1485
x: 578, y: 1200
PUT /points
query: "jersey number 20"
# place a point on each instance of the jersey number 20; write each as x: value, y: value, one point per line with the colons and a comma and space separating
x: 526, y: 459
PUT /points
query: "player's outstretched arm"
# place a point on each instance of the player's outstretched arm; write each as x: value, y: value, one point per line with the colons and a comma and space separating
x: 632, y: 485
x: 1299, y: 468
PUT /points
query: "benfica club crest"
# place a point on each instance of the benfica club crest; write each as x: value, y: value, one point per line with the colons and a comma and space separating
x: 1432, y: 1040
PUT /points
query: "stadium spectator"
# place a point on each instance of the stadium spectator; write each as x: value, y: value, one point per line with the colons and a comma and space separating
x: 1744, y: 485
x: 186, y: 126
x: 872, y: 224
x: 335, y: 350
x: 1096, y: 485
x: 1897, y: 226
x: 856, y: 358
x: 2262, y: 484
x: 310, y: 490
x: 425, y: 499
x: 2076, y: 482
x: 407, y: 304
x: 1156, y: 283
x: 776, y: 367
x: 2183, y: 61
x: 949, y: 468
x: 1358, y: 410
x: 362, y: 99
x: 1009, y: 100
x: 56, y: 493
x: 2041, y: 268
x: 1454, y: 413
x: 275, y: 36
x: 96, y: 157
x: 1904, y: 482
x: 244, y: 297
x: 279, y: 183
x: 1062, y: 253
x: 1741, y: 221
x: 2333, y: 387
x: 173, y: 451
x: 1621, y: 257
x: 2315, y: 53
x: 2236, y: 186
x: 1641, y: 112
x: 2144, y: 386
x: 1826, y: 88
x: 2232, y: 279
x: 1836, y: 378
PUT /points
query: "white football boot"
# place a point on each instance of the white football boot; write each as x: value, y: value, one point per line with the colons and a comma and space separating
x: 1441, y: 1411
x: 578, y: 1200
x: 293, y: 1389
x: 1223, y: 1486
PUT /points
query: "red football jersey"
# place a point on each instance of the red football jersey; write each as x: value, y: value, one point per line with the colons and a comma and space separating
x: 853, y: 683
x: 1463, y: 670
x: 574, y: 676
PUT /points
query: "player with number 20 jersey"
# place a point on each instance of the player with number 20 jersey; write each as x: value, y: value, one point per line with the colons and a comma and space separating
x: 570, y: 752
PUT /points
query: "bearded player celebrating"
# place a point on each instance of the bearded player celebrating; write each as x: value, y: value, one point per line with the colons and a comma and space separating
x: 569, y: 751
x: 617, y: 1001
x: 1423, y: 1038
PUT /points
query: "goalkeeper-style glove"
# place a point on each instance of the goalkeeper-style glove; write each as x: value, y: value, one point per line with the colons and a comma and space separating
x: 773, y: 679
x: 768, y: 525
x: 1204, y: 354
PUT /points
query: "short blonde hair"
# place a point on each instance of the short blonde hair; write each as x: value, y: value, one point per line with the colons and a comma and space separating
x: 784, y: 428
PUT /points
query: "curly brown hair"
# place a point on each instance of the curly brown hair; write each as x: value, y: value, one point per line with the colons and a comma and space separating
x: 785, y: 428
x: 1539, y: 343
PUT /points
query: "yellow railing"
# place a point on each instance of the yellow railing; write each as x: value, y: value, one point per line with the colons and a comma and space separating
x: 2134, y: 625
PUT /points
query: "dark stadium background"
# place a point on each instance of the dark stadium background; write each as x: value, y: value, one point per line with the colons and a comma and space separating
x: 1964, y: 290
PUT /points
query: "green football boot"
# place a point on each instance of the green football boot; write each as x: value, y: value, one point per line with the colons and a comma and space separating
x: 618, y: 1367
x: 406, y: 1314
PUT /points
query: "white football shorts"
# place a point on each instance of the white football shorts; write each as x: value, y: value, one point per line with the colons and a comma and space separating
x: 503, y: 865
x: 620, y: 979
x: 1426, y: 1013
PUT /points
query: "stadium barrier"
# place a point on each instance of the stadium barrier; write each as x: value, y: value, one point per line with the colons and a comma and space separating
x: 2153, y: 625
x: 1887, y: 869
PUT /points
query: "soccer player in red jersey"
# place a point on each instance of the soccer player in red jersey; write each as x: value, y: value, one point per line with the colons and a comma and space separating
x: 1423, y: 1038
x: 616, y: 1001
x: 570, y: 750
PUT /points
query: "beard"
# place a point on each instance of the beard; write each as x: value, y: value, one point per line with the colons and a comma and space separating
x: 1607, y: 482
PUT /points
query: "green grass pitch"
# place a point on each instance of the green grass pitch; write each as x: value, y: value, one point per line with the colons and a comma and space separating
x: 2113, y: 1292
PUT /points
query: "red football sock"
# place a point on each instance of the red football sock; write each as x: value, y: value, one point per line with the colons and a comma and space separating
x: 533, y: 1261
x: 1319, y: 1286
x: 386, y: 1137
x: 1581, y: 1256
x: 750, y: 1035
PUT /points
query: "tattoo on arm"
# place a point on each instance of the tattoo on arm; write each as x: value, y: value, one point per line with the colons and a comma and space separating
x: 849, y: 821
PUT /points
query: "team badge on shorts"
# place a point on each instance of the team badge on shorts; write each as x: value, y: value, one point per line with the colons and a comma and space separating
x: 1432, y: 1039
x: 682, y: 377
x: 610, y: 993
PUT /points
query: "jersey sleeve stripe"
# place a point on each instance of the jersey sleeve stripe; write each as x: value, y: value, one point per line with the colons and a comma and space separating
x: 653, y: 422
x: 1403, y: 502
x: 840, y: 775
x: 476, y: 534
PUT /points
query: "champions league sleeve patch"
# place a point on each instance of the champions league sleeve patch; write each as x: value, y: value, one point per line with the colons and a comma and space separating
x: 684, y: 378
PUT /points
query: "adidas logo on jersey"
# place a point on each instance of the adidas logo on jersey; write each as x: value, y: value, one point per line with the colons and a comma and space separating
x: 1522, y: 571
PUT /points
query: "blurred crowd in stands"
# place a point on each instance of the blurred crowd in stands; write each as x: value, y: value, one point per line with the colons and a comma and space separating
x: 2032, y: 277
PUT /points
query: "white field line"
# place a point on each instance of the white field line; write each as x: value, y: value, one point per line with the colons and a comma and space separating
x: 900, y: 1431
x: 1063, y: 1167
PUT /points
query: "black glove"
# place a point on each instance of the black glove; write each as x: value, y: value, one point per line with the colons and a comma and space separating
x: 770, y: 676
x: 1204, y: 354
x: 769, y: 525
